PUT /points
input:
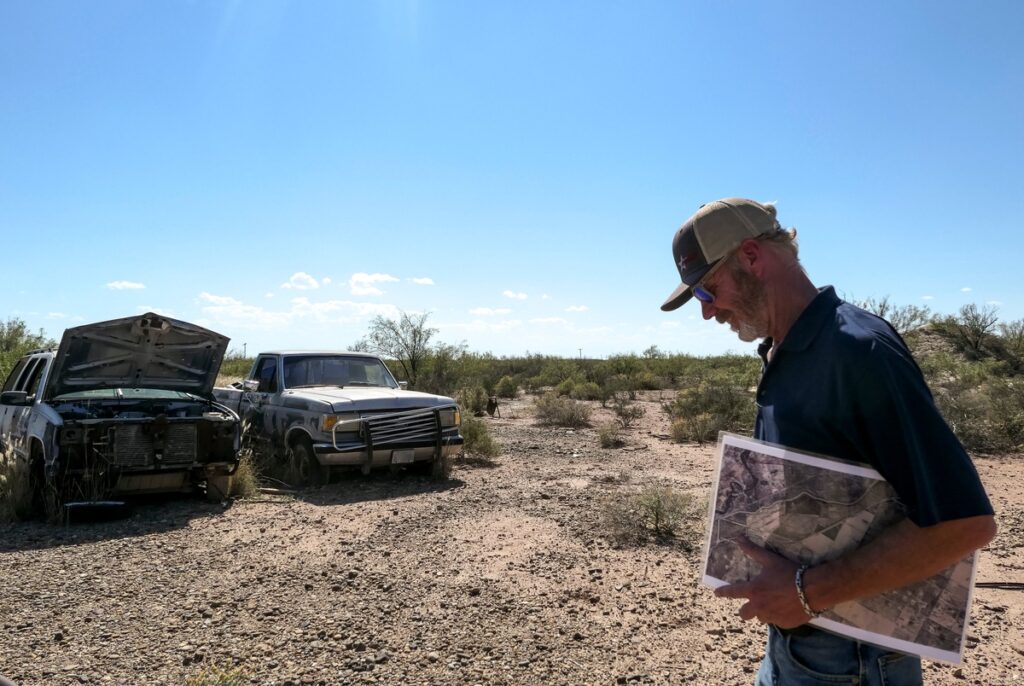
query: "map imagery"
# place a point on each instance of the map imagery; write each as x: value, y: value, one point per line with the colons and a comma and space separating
x: 811, y: 510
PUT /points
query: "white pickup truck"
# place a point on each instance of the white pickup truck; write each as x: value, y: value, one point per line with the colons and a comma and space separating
x: 314, y: 410
x: 122, y: 406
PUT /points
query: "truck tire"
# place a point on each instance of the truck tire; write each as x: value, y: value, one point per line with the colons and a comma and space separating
x: 303, y: 466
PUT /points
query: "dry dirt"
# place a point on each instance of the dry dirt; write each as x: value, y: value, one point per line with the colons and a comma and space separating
x: 502, y: 575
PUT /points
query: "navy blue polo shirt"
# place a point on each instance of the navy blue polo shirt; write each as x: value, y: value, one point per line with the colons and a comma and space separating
x: 844, y: 384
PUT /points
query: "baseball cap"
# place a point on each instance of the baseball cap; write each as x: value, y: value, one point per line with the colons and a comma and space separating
x: 714, y: 231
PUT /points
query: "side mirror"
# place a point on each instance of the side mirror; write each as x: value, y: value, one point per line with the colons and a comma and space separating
x: 404, y: 385
x: 14, y: 398
x: 251, y: 385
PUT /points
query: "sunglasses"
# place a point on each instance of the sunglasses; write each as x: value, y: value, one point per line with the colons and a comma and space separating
x: 699, y: 291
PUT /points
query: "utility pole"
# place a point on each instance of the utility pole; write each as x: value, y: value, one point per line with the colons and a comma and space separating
x: 581, y: 353
x: 243, y: 349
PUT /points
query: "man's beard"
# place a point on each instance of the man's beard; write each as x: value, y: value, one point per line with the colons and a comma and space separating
x: 749, y: 320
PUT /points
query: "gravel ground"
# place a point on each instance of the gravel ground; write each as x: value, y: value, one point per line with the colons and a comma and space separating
x: 502, y: 575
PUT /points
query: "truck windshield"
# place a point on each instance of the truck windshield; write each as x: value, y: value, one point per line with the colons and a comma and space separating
x: 335, y: 370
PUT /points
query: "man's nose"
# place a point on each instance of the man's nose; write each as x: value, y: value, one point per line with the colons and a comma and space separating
x: 707, y: 309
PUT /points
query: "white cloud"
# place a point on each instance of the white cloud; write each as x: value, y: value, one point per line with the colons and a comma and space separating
x: 125, y: 285
x: 301, y: 281
x: 326, y: 280
x: 545, y: 297
x: 225, y: 310
x: 422, y: 281
x: 489, y: 312
x: 514, y: 295
x: 966, y: 289
x: 56, y: 315
x: 268, y: 294
x: 577, y: 308
x: 996, y: 303
x: 362, y: 283
x: 340, y: 311
x: 927, y: 297
x: 674, y: 324
x: 548, y: 320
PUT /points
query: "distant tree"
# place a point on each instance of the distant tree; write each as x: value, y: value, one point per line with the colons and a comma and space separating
x: 904, y: 318
x: 975, y: 325
x: 15, y: 341
x: 653, y: 353
x: 405, y: 340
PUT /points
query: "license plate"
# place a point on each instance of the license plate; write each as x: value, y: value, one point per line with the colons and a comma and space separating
x: 402, y: 456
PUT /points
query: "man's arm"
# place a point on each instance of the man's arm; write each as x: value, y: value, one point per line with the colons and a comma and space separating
x: 903, y: 554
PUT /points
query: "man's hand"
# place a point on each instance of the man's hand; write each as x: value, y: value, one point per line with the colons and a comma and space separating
x: 771, y: 595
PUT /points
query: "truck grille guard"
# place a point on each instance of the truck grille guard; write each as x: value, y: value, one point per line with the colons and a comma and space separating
x: 420, y: 426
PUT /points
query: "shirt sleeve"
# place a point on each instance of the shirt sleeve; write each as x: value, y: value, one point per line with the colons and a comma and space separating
x: 898, y: 428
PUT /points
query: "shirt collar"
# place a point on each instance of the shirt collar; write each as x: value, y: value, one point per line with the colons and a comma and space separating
x: 808, y: 324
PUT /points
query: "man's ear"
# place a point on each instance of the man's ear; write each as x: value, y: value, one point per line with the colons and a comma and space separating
x: 751, y: 255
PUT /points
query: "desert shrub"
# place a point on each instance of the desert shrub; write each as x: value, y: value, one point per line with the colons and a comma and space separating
x: 473, y: 401
x: 699, y: 412
x: 587, y: 390
x: 610, y: 436
x: 566, y: 387
x: 215, y: 675
x: 626, y: 412
x: 506, y: 387
x: 235, y: 366
x: 984, y: 407
x: 478, y: 439
x: 552, y: 410
x: 656, y: 512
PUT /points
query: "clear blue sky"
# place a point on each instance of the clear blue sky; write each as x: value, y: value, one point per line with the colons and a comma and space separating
x: 283, y: 171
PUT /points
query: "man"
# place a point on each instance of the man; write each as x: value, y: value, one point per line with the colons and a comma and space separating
x: 836, y: 381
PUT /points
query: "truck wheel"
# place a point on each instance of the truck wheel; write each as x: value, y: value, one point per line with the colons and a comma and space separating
x: 218, y: 487
x: 303, y: 466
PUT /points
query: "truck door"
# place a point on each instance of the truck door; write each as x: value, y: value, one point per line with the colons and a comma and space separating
x: 256, y: 406
x: 18, y: 415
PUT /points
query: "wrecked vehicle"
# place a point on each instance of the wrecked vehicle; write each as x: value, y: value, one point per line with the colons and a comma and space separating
x: 311, y: 411
x: 121, y: 407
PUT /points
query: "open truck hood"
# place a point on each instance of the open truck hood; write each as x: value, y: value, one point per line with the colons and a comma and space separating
x: 143, y: 351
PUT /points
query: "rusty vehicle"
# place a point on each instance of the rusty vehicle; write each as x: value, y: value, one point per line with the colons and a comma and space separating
x: 316, y: 410
x: 120, y: 407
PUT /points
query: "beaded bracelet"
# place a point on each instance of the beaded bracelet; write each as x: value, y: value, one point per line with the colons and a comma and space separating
x: 800, y: 592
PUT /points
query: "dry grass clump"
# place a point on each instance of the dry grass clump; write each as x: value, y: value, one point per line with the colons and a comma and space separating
x: 610, y: 436
x: 551, y: 410
x: 15, y: 491
x: 215, y: 675
x: 245, y: 483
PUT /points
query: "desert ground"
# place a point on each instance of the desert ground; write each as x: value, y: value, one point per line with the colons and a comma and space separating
x: 502, y: 575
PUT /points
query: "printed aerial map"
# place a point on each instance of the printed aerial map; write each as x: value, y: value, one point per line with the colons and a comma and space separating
x: 812, y: 509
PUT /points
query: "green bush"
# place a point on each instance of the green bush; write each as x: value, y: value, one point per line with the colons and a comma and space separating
x: 587, y: 391
x: 473, y: 401
x: 566, y: 387
x: 506, y: 387
x: 698, y: 413
x: 656, y: 512
x: 478, y: 439
x: 552, y: 410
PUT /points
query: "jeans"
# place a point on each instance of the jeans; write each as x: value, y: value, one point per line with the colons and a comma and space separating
x: 809, y: 657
